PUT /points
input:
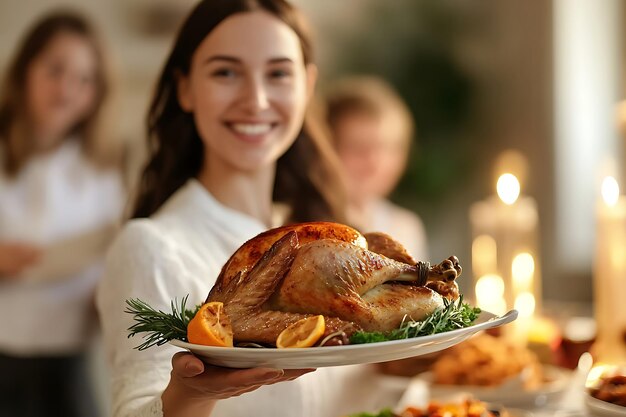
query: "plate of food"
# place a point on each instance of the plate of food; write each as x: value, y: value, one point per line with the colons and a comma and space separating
x: 316, y: 357
x: 319, y: 294
x: 606, y: 391
x: 495, y: 369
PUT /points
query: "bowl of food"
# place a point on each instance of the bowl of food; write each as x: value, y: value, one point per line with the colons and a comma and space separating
x: 495, y: 370
x: 606, y: 391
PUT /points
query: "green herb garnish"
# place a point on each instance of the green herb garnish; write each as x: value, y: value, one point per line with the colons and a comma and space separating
x: 160, y: 327
x: 453, y: 315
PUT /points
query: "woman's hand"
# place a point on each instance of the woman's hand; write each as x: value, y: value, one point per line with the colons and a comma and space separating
x: 15, y: 257
x: 195, y: 387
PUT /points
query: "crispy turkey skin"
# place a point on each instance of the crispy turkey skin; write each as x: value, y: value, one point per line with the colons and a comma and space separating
x: 292, y: 272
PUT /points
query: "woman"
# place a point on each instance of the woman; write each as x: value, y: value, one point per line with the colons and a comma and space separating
x: 372, y: 130
x: 227, y: 139
x: 60, y: 194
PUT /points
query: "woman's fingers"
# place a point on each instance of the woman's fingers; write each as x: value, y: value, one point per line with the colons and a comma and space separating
x: 288, y: 375
x: 295, y: 373
x: 244, y: 377
x: 186, y: 365
x: 256, y: 376
x: 216, y: 382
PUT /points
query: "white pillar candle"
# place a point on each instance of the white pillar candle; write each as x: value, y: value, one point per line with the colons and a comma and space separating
x: 610, y: 274
x: 505, y: 249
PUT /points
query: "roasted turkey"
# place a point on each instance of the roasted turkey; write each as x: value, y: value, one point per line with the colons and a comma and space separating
x: 358, y: 282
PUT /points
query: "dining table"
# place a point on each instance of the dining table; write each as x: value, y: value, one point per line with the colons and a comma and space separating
x: 368, y: 390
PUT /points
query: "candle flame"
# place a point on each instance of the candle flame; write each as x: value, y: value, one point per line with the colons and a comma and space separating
x: 617, y: 259
x: 525, y: 304
x: 508, y: 188
x: 522, y: 270
x: 484, y: 255
x: 610, y: 191
x: 490, y: 293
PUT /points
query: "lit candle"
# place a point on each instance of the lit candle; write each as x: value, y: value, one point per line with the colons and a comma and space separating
x: 490, y: 293
x: 610, y: 274
x: 504, y: 253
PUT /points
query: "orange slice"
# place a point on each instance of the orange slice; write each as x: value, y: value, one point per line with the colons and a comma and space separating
x: 303, y: 333
x: 210, y: 326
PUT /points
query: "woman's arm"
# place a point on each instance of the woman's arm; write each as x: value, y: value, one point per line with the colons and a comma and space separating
x: 140, y: 264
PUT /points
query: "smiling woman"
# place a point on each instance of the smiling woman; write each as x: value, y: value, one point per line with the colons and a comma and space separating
x: 229, y: 135
x: 236, y: 99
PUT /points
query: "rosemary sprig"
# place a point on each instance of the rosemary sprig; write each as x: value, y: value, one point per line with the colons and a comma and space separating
x: 453, y: 315
x: 160, y: 327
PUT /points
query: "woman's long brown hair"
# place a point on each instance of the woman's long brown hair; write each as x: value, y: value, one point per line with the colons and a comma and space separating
x: 15, y: 136
x: 307, y: 175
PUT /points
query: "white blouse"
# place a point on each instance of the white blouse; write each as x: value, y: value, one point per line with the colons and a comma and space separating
x: 56, y: 197
x: 178, y: 251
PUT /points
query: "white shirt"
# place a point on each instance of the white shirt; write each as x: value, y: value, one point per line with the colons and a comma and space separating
x: 179, y: 251
x: 401, y: 224
x: 56, y: 196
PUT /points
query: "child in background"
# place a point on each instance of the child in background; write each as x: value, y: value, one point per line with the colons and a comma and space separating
x: 372, y: 129
x: 61, y: 194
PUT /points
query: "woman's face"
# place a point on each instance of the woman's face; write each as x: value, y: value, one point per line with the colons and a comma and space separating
x: 61, y: 86
x: 248, y: 88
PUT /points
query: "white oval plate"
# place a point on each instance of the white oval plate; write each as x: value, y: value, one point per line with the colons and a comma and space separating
x: 598, y: 407
x: 318, y: 357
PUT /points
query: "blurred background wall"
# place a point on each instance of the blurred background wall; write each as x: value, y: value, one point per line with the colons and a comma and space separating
x: 480, y: 77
